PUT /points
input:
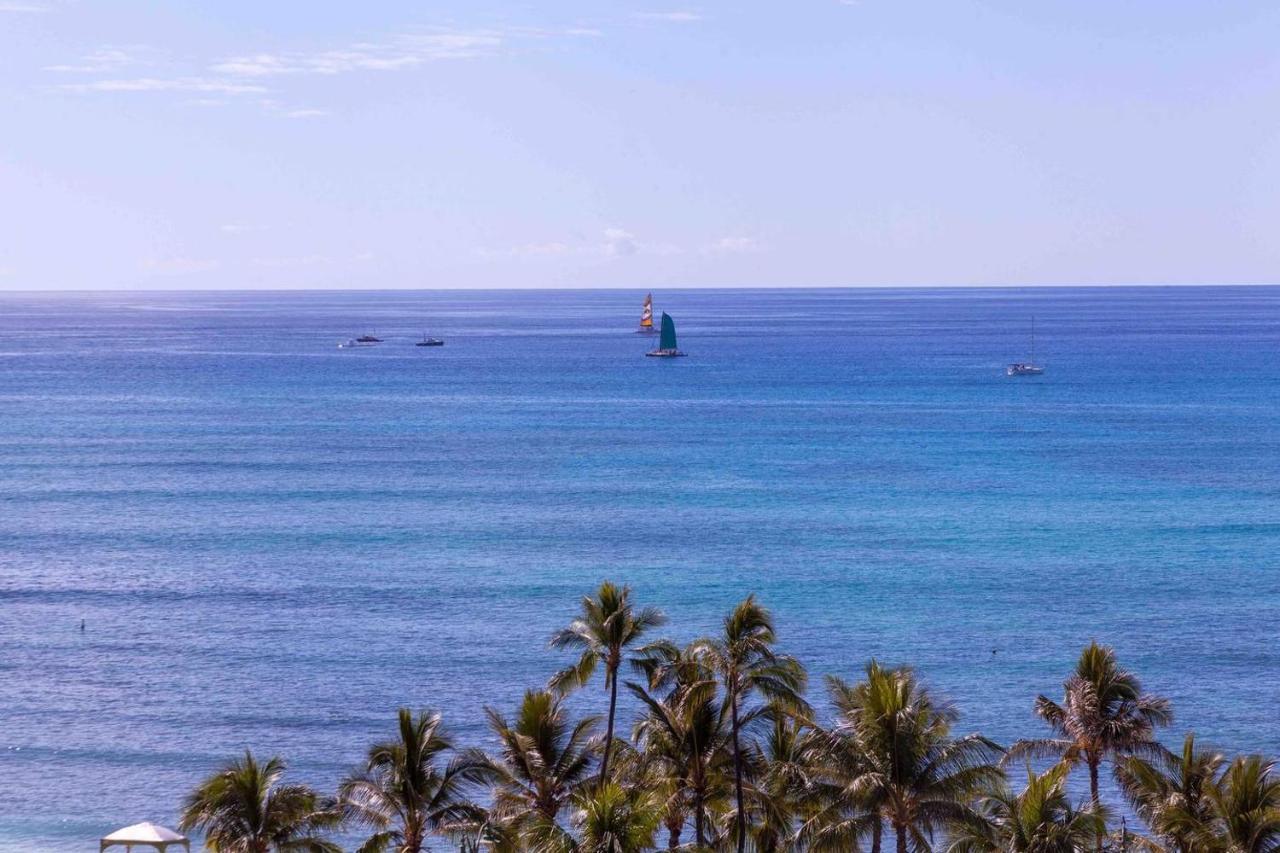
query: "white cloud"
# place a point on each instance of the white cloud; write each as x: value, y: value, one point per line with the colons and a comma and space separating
x: 178, y: 265
x: 733, y: 246
x: 619, y: 243
x: 613, y: 243
x: 23, y: 8
x: 405, y: 51
x: 160, y: 84
x: 290, y: 263
x: 676, y: 17
x: 104, y: 60
x: 305, y: 113
x: 240, y: 228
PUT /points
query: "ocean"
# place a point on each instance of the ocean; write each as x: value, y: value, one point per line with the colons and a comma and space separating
x: 274, y: 543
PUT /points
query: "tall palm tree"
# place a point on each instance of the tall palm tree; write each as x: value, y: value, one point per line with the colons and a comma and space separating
x: 543, y: 760
x: 1104, y: 714
x: 682, y: 737
x: 745, y: 663
x: 891, y: 758
x: 408, y: 791
x: 608, y: 625
x: 1247, y: 803
x: 1173, y: 794
x: 243, y: 808
x: 1041, y: 819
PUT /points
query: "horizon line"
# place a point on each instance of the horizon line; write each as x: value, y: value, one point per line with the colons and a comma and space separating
x: 638, y: 287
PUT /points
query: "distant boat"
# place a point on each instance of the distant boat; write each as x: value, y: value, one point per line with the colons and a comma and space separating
x: 667, y: 342
x: 429, y: 342
x: 368, y: 339
x: 646, y: 317
x: 350, y: 343
x: 1027, y: 368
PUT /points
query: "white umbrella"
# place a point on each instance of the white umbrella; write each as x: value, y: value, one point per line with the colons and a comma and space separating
x: 144, y: 835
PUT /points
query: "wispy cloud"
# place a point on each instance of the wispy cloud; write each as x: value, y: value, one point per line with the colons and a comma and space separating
x: 732, y: 246
x: 291, y: 262
x: 171, y: 84
x: 683, y: 16
x: 305, y: 113
x: 105, y: 60
x: 178, y: 265
x: 404, y: 51
x: 613, y: 243
x: 22, y: 8
x: 240, y: 228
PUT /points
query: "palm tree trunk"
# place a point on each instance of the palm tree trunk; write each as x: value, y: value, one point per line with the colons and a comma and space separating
x: 737, y: 778
x: 1093, y: 796
x: 901, y: 831
x: 608, y: 732
x: 877, y: 829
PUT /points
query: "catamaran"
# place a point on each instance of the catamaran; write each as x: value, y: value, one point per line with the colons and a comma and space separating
x: 646, y: 317
x: 1027, y: 368
x: 667, y: 341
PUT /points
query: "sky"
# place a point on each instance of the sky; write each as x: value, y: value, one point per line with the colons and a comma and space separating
x: 589, y: 143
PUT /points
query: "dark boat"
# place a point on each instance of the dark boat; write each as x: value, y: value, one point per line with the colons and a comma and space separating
x: 429, y: 342
x: 1027, y: 368
x: 667, y: 340
x: 368, y: 339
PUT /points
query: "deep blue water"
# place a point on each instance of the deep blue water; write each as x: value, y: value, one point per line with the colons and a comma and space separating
x: 274, y: 543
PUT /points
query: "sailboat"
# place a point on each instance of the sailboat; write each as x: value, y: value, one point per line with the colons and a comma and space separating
x: 646, y: 317
x: 667, y: 340
x: 1027, y: 368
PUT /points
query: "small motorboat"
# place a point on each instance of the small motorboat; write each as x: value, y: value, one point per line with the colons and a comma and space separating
x: 368, y: 339
x: 429, y: 342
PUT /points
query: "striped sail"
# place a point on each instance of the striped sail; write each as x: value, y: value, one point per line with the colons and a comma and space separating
x: 646, y: 313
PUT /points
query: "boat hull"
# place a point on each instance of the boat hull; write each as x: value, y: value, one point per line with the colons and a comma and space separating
x: 666, y: 353
x: 1023, y: 370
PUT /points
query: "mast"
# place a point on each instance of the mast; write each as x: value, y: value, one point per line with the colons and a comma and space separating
x: 1033, y: 339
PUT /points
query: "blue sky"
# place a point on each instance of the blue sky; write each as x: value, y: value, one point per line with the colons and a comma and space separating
x: 637, y: 144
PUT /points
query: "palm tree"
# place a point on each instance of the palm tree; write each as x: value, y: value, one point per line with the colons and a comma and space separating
x: 543, y: 760
x: 608, y: 625
x: 1104, y: 714
x: 1039, y: 820
x: 782, y: 780
x: 682, y: 737
x: 243, y: 808
x: 745, y: 664
x: 1247, y: 803
x: 407, y: 791
x: 613, y: 819
x: 890, y: 758
x: 1173, y: 794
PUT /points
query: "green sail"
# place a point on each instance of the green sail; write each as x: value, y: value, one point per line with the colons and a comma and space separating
x: 668, y: 338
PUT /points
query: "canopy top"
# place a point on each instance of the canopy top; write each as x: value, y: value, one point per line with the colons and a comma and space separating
x: 149, y: 834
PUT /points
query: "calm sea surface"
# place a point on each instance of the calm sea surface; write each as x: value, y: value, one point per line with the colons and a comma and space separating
x: 274, y: 543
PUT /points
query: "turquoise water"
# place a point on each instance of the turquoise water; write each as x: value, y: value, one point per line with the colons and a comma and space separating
x: 274, y: 543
